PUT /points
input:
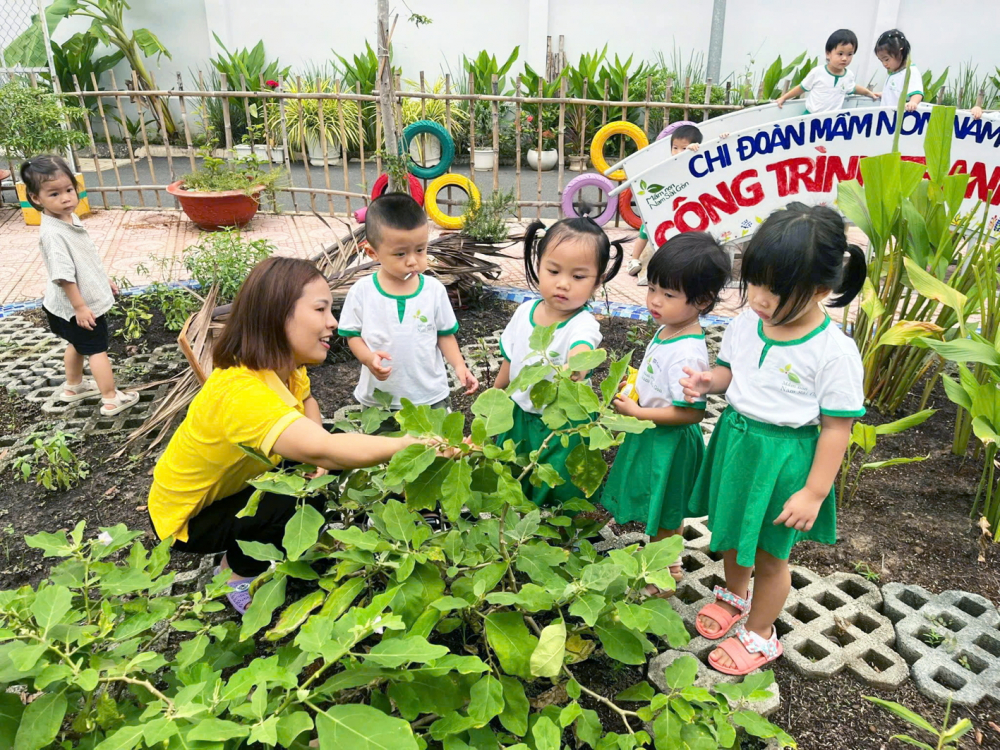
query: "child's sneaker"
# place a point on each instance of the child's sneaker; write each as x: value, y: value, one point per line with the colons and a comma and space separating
x: 239, y: 595
x: 634, y: 266
x: 642, y: 281
x: 122, y: 401
x: 84, y: 389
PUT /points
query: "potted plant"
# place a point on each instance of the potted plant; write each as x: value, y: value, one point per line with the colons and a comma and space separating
x: 302, y: 121
x: 252, y: 143
x: 550, y: 141
x: 32, y: 122
x: 427, y: 150
x: 483, y: 156
x: 225, y: 193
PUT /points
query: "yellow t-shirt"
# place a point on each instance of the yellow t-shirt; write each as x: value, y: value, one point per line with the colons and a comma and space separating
x: 203, y: 461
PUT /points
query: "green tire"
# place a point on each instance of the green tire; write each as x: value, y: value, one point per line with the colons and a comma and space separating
x: 437, y: 130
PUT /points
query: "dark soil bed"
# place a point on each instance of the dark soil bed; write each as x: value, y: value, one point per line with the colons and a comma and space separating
x: 908, y: 523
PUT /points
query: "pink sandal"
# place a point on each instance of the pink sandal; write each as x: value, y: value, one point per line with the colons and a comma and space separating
x: 724, y: 618
x: 748, y: 651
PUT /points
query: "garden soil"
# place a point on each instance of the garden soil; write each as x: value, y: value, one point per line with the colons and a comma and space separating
x: 908, y: 523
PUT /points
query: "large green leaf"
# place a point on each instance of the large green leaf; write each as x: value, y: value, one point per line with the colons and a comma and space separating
x: 588, y: 608
x: 621, y: 644
x: 937, y: 142
x: 50, y: 606
x: 882, y: 194
x: 456, y: 489
x: 514, y: 717
x: 486, y: 699
x: 40, y: 722
x: 301, y: 531
x: 586, y: 468
x: 666, y: 623
x: 268, y: 598
x: 965, y: 350
x: 400, y: 522
x: 546, y: 734
x: 934, y: 288
x: 905, y: 331
x: 892, y: 428
x: 360, y: 727
x: 125, y: 738
x: 409, y: 463
x: 898, y: 461
x: 681, y: 672
x: 11, y: 709
x: 852, y: 203
x: 547, y: 658
x: 509, y: 638
x: 496, y: 409
x: 395, y: 652
x: 870, y: 302
x: 424, y: 492
x: 956, y: 392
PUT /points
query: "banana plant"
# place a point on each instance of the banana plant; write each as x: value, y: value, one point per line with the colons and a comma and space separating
x: 484, y: 66
x: 778, y: 72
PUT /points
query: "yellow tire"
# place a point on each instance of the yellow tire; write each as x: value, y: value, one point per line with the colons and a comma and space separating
x: 430, y: 199
x: 618, y: 127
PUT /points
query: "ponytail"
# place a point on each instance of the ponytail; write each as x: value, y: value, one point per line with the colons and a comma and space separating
x: 585, y: 227
x: 616, y: 261
x: 531, y: 250
x: 853, y: 280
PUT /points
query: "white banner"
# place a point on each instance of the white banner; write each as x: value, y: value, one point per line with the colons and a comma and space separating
x: 732, y: 184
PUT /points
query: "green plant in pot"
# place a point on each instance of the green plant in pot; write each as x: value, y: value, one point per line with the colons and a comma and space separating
x: 306, y: 132
x: 225, y: 192
x: 31, y: 123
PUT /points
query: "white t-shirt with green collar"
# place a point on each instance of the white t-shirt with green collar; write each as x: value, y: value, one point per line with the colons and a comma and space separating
x: 407, y: 327
x: 893, y: 88
x: 658, y: 382
x: 791, y: 383
x: 826, y: 92
x: 582, y: 328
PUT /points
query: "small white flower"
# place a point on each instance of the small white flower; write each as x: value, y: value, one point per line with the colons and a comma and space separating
x: 104, y: 538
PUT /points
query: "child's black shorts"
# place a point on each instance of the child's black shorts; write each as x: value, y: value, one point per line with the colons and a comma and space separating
x: 84, y: 341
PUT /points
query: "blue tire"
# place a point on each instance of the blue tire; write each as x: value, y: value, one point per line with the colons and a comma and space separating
x: 437, y: 130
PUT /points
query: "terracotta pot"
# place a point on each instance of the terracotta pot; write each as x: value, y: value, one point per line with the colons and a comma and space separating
x: 229, y: 208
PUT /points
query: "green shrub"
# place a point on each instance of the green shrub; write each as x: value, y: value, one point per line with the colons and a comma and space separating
x: 486, y: 221
x: 52, y: 464
x: 225, y: 259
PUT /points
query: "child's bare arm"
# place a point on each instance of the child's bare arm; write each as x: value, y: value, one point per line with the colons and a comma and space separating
x: 666, y: 415
x: 859, y: 89
x: 502, y: 380
x: 790, y: 94
x: 702, y: 383
x: 801, y: 509
x: 913, y: 102
x: 84, y: 315
x: 371, y: 360
x: 453, y: 356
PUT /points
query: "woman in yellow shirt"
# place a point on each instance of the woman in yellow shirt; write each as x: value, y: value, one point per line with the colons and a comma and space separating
x: 258, y: 395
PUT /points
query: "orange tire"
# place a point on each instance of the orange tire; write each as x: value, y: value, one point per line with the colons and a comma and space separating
x: 625, y: 209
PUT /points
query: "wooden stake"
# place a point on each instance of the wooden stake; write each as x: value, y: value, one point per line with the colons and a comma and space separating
x: 562, y: 130
x: 128, y: 141
x: 361, y: 147
x: 385, y: 92
x: 107, y: 138
x: 225, y: 115
x: 326, y: 155
x: 472, y: 131
x: 708, y: 98
x: 343, y: 146
x: 517, y: 144
x: 93, y: 144
x: 145, y: 140
x: 539, y: 114
x: 496, y: 135
x: 305, y: 154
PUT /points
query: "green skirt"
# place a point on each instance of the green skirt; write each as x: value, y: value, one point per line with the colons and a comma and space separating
x: 751, y: 468
x: 528, y: 434
x: 653, y: 475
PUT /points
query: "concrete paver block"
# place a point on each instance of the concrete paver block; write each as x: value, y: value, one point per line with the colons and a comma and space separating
x: 951, y: 640
x: 708, y: 678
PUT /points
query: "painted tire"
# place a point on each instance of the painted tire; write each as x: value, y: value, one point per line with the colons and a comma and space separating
x: 416, y: 189
x: 575, y: 185
x: 438, y: 131
x: 618, y: 127
x: 436, y: 214
x: 625, y: 209
x: 672, y: 127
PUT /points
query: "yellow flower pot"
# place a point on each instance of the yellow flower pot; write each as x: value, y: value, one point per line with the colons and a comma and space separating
x: 31, y: 215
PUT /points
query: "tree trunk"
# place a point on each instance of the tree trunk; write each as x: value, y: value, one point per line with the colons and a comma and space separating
x: 385, y: 93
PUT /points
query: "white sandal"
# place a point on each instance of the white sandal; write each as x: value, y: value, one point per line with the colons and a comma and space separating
x: 84, y: 389
x: 122, y: 401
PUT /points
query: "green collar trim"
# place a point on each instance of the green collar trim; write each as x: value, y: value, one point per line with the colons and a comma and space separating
x: 769, y: 342
x: 531, y: 315
x: 836, y: 78
x: 400, y: 298
x: 672, y: 339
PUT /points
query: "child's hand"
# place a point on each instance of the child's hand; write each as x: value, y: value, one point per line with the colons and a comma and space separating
x: 693, y: 146
x: 374, y: 364
x: 696, y: 384
x: 114, y: 288
x: 85, y: 317
x: 723, y: 136
x: 467, y: 379
x: 911, y: 106
x: 977, y: 112
x: 625, y: 406
x: 780, y: 102
x: 800, y: 510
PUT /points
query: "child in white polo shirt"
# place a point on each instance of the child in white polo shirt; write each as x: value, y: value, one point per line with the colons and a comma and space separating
x: 786, y: 370
x: 893, y: 50
x: 398, y: 322
x: 827, y: 87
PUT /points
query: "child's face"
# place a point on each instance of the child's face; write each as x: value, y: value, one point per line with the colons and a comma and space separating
x: 58, y: 196
x: 567, y: 275
x: 311, y: 324
x: 840, y: 57
x: 891, y: 63
x: 402, y: 252
x: 669, y: 306
x: 677, y: 145
x: 766, y: 303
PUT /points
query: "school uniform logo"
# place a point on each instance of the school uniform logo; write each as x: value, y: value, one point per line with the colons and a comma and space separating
x: 791, y: 383
x: 423, y: 324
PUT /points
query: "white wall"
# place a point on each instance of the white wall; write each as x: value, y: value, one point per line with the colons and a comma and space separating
x: 967, y: 32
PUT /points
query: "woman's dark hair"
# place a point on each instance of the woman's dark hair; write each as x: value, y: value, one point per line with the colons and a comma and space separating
x: 799, y: 250
x: 895, y: 43
x: 579, y: 228
x: 254, y: 335
x: 38, y: 170
x: 842, y: 36
x: 692, y: 263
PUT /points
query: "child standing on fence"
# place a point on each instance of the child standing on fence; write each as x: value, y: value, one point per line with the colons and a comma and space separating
x: 786, y: 370
x: 826, y: 87
x: 399, y: 322
x: 655, y: 470
x: 684, y: 137
x: 567, y: 264
x: 78, y: 294
x: 893, y: 50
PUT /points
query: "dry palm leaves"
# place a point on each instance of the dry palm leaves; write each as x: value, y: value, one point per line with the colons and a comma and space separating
x: 453, y: 261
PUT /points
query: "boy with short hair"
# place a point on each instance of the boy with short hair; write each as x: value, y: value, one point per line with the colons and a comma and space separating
x: 398, y: 322
x: 685, y: 137
x: 827, y: 87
